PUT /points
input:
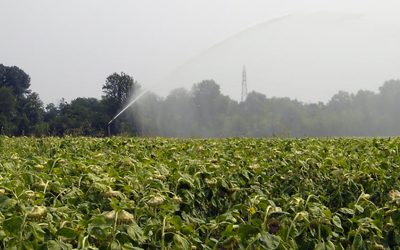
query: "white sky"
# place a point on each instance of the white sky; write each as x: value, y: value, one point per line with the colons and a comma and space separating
x: 69, y: 47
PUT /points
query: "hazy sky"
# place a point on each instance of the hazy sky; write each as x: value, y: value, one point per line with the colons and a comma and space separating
x: 70, y: 47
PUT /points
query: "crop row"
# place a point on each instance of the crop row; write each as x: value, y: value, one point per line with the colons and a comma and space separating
x: 155, y: 193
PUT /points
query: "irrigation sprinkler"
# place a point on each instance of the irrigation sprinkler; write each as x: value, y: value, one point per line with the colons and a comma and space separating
x: 123, y: 110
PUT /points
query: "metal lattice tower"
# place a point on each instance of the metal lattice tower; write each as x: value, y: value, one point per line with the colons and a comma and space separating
x: 244, y: 85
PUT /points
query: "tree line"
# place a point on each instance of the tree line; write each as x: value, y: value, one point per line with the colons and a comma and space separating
x: 202, y: 111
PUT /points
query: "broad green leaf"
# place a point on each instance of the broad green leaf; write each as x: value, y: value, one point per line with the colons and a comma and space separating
x: 396, y: 217
x: 136, y: 233
x: 320, y: 246
x: 98, y: 233
x: 6, y: 203
x: 347, y: 211
x: 358, y: 243
x: 13, y: 225
x: 247, y: 231
x: 359, y: 208
x: 336, y: 221
x: 67, y: 232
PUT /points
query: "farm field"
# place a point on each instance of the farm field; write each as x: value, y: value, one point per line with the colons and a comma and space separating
x: 140, y: 193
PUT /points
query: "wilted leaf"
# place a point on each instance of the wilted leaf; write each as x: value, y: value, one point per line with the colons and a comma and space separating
x: 271, y: 241
x: 136, y: 233
x: 180, y: 242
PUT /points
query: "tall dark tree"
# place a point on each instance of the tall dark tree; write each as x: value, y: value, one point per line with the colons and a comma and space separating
x: 118, y: 90
x: 7, y: 110
x: 16, y: 79
x: 7, y: 101
x: 28, y: 110
x: 30, y: 115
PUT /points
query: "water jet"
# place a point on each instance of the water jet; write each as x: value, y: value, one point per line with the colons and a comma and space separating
x: 123, y: 110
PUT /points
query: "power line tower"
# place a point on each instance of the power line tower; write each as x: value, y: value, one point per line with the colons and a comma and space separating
x: 244, y: 84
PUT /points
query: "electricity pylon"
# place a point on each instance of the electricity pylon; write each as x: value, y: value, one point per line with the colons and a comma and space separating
x: 244, y: 85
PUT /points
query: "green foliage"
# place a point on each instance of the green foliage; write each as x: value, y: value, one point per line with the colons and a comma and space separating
x: 205, y: 112
x: 201, y: 112
x: 118, y: 89
x: 83, y: 116
x: 15, y: 79
x: 7, y: 110
x: 21, y: 110
x: 125, y: 193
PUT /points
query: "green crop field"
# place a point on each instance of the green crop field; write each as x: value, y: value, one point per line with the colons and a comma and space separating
x: 131, y: 193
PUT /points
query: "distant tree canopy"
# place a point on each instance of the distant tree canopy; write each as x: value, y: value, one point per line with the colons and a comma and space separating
x: 205, y: 112
x: 118, y: 89
x: 202, y: 111
x: 7, y: 110
x: 21, y: 110
x: 15, y: 79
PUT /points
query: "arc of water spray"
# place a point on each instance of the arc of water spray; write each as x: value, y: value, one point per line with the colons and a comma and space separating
x: 126, y: 107
x: 227, y: 39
